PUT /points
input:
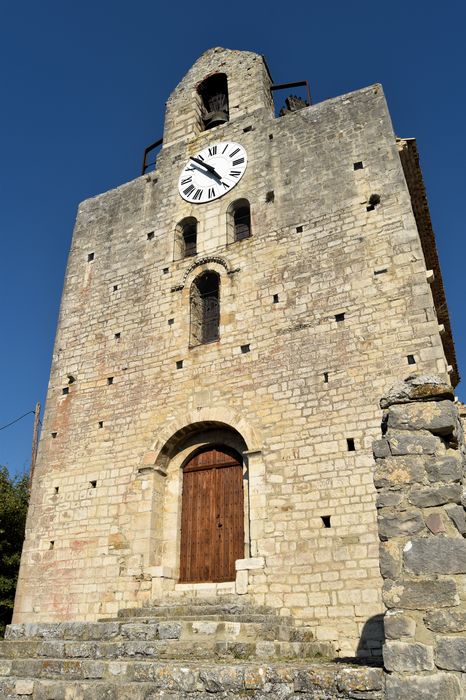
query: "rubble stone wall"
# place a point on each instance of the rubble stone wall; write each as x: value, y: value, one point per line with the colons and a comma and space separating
x: 419, y: 477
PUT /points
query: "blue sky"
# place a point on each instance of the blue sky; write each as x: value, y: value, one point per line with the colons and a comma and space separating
x: 83, y: 88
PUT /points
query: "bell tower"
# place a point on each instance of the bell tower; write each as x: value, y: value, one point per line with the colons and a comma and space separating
x: 221, y: 87
x: 230, y: 321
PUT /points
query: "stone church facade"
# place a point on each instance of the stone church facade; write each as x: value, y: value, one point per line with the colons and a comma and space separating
x: 219, y: 360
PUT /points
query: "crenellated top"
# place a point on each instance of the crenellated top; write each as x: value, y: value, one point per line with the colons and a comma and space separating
x: 220, y: 87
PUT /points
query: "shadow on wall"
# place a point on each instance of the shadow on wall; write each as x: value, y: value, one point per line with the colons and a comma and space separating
x: 371, y: 641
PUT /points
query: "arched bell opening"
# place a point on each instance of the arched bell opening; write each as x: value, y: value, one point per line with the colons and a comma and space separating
x: 213, y: 92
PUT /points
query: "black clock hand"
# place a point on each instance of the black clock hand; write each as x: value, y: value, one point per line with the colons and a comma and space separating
x: 208, y: 167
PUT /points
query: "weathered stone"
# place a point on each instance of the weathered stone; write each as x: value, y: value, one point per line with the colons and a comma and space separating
x: 5, y: 667
x: 219, y: 680
x: 140, y: 631
x: 399, y: 471
x: 438, y: 686
x: 381, y: 448
x: 457, y: 516
x: 446, y: 468
x: 417, y: 388
x: 435, y: 523
x: 446, y: 620
x: 420, y: 595
x: 406, y: 522
x: 390, y: 559
x: 439, y: 418
x: 435, y: 555
x: 429, y: 496
x: 407, y: 657
x: 387, y: 499
x: 24, y: 687
x: 405, y: 442
x: 397, y: 624
x: 450, y: 653
x: 356, y: 682
x: 169, y: 630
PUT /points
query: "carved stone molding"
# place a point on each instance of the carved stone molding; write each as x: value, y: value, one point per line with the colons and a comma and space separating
x: 206, y: 260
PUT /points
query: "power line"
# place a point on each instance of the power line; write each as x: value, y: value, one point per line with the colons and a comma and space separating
x: 16, y: 420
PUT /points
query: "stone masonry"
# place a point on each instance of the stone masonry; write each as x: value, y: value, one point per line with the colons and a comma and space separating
x: 419, y: 477
x: 327, y: 303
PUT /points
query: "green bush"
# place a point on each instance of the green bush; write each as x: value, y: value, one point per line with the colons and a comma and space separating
x: 14, y: 494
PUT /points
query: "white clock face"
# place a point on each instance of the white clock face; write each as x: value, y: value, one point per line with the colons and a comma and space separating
x: 212, y: 172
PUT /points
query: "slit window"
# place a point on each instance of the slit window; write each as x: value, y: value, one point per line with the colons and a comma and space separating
x: 213, y: 92
x: 326, y: 521
x: 350, y: 445
x: 205, y: 308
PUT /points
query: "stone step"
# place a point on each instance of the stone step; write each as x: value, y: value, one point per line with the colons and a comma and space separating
x: 149, y: 616
x: 152, y: 629
x: 41, y: 651
x: 196, y: 608
x: 197, y: 681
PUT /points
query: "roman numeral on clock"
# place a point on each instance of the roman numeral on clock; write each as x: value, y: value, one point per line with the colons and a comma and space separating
x: 226, y: 185
x: 188, y: 190
x: 225, y: 148
x: 234, y: 152
x: 238, y: 161
x: 235, y: 173
x: 212, y: 150
x: 197, y: 194
x: 211, y: 192
x: 186, y: 180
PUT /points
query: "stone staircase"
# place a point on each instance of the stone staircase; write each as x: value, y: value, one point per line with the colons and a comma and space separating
x: 194, y: 649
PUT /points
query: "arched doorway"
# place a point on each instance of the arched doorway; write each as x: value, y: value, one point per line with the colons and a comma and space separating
x: 212, y: 516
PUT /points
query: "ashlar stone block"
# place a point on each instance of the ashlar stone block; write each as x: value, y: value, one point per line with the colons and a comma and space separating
x: 435, y: 556
x: 420, y: 595
x: 405, y: 442
x: 450, y: 653
x: 428, y: 497
x: 416, y: 388
x: 446, y: 620
x: 407, y: 657
x: 396, y: 524
x: 439, y: 417
x: 397, y: 624
x: 399, y: 471
x: 436, y: 686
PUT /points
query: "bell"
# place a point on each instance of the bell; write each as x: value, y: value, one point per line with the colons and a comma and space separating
x: 215, y: 118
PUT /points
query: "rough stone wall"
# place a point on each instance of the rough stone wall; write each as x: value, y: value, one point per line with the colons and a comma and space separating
x: 419, y: 477
x: 107, y: 486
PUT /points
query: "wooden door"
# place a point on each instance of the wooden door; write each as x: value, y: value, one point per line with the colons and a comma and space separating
x: 212, y: 517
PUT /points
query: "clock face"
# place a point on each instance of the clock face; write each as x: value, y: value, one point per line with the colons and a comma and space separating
x: 212, y: 172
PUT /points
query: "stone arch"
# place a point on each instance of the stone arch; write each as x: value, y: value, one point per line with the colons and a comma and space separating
x: 196, y: 421
x: 203, y: 429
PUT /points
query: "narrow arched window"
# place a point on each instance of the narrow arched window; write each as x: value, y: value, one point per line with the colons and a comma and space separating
x: 205, y: 308
x: 213, y: 92
x: 186, y: 238
x: 239, y: 220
